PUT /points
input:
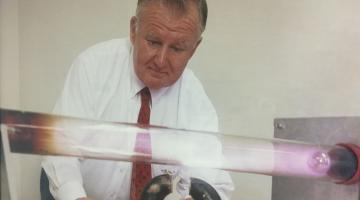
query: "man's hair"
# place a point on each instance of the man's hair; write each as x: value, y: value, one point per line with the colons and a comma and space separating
x: 180, y: 5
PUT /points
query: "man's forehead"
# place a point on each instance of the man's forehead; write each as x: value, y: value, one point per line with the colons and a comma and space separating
x: 176, y: 39
x: 197, y: 9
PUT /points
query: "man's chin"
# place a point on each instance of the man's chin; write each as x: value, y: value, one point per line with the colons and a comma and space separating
x: 154, y: 82
x: 155, y: 85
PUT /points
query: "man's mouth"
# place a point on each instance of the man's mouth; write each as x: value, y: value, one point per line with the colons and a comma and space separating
x: 156, y: 73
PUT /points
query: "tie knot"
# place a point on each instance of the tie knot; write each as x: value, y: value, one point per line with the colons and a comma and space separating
x: 144, y: 113
x: 145, y: 95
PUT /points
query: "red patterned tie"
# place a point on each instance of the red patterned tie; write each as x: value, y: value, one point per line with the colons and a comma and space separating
x: 141, y: 172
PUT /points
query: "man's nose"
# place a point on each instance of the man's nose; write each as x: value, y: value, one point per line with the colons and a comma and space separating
x: 161, y: 56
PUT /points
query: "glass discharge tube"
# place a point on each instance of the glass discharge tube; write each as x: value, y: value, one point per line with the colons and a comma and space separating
x: 46, y: 134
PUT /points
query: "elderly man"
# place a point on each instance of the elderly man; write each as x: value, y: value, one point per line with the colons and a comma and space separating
x: 110, y: 81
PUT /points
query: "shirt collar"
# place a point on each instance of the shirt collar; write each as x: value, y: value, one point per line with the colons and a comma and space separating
x: 136, y: 84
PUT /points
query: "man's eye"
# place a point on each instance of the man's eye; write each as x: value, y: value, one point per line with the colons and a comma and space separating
x: 153, y: 43
x: 177, y: 49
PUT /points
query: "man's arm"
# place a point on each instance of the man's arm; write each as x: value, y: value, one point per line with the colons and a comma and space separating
x: 65, y: 179
x: 198, y: 113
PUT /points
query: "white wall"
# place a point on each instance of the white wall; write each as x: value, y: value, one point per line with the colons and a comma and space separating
x: 259, y: 60
x: 9, y: 88
x: 54, y: 32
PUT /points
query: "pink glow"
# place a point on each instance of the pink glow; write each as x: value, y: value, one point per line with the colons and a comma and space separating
x: 301, y: 160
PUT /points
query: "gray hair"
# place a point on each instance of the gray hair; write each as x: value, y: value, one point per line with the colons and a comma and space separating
x: 180, y: 5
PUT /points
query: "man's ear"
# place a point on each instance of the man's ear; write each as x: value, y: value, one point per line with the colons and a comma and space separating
x: 133, y: 27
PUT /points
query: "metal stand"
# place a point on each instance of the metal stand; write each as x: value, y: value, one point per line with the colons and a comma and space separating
x: 324, y: 131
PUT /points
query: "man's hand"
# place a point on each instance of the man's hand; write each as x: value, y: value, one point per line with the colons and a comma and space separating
x: 189, y: 198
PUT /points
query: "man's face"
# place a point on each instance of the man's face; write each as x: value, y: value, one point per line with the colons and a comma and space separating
x: 163, y: 43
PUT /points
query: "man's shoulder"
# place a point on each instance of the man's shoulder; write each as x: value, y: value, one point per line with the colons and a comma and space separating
x: 195, y: 106
x: 107, y: 48
x: 191, y: 83
x: 103, y: 62
x: 104, y: 57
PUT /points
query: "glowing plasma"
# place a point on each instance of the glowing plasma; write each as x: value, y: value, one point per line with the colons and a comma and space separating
x: 319, y: 162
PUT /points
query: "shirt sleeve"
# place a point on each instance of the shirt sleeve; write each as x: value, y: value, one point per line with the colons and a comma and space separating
x: 219, y: 179
x: 65, y: 179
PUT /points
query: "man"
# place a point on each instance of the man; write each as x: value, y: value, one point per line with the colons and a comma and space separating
x: 105, y: 81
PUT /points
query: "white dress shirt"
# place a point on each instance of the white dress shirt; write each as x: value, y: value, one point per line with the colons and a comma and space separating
x: 102, y: 85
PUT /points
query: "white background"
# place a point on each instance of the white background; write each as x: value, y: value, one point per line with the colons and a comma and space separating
x: 260, y: 59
